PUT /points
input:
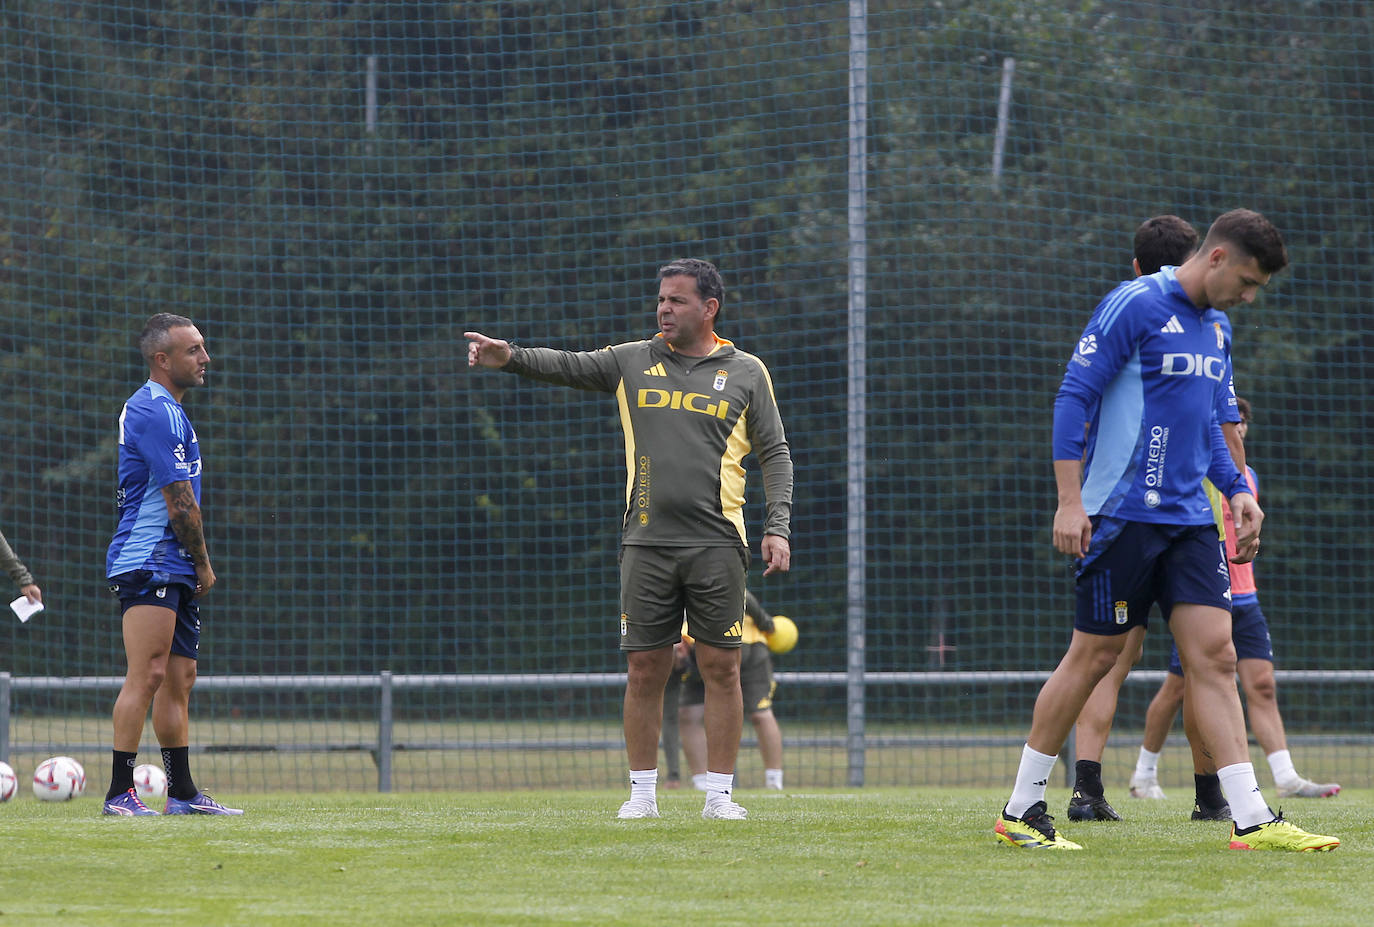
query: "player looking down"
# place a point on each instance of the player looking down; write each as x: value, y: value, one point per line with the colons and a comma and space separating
x: 1145, y: 378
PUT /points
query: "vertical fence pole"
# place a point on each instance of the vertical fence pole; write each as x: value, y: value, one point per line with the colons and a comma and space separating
x: 5, y: 717
x: 370, y: 96
x: 856, y: 520
x: 999, y: 145
x: 385, y: 733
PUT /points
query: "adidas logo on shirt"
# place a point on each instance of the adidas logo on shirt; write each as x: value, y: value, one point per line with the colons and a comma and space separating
x: 657, y: 369
x: 1173, y: 326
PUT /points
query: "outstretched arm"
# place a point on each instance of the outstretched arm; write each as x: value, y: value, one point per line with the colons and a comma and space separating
x: 487, y: 352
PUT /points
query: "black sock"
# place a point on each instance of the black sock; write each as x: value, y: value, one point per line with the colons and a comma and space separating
x: 176, y: 763
x: 121, y: 774
x: 1208, y: 790
x: 1088, y: 778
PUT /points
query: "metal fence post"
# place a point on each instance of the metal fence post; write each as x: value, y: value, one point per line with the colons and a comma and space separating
x: 385, y: 734
x: 856, y: 529
x: 5, y: 717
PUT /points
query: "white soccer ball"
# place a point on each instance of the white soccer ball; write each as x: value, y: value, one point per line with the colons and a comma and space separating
x: 80, y: 775
x: 9, y: 782
x: 150, y: 782
x: 59, y: 778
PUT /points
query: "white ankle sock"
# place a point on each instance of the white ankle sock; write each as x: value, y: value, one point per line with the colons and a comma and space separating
x: 1032, y: 777
x: 1281, y: 765
x: 1242, y: 792
x: 1147, y: 765
x: 644, y: 784
x: 772, y: 778
x: 718, y: 786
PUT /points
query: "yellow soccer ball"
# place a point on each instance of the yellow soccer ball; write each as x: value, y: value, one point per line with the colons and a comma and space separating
x: 784, y: 636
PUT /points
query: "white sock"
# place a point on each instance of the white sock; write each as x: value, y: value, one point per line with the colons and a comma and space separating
x: 718, y: 786
x: 1032, y: 777
x: 772, y: 778
x: 1147, y: 765
x: 699, y: 781
x: 644, y: 784
x: 1242, y: 792
x: 1281, y: 765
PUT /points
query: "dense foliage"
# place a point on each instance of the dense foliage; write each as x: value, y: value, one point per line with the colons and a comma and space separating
x: 372, y: 505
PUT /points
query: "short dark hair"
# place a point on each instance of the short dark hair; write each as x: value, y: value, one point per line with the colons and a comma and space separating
x: 1253, y: 234
x: 1163, y: 241
x: 154, y: 336
x: 1243, y: 407
x: 709, y: 284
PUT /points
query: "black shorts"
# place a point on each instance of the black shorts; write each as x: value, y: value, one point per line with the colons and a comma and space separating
x: 659, y: 586
x: 1132, y: 565
x: 177, y: 593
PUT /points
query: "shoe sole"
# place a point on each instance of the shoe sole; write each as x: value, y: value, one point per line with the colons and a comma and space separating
x: 1033, y: 843
x: 1324, y: 848
x: 1088, y: 814
x: 1330, y: 793
x: 1216, y: 814
x: 204, y: 812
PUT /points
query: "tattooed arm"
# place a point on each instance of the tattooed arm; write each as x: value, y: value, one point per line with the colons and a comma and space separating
x: 183, y: 514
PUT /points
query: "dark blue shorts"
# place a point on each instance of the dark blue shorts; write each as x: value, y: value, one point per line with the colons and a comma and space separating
x: 1134, y: 565
x: 1249, y: 632
x: 143, y: 587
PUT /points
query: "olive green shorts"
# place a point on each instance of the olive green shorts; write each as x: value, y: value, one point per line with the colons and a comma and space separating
x: 660, y: 586
x: 755, y: 680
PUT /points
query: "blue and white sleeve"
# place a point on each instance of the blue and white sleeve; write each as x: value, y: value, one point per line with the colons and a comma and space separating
x: 1104, y: 348
x: 1223, y: 471
x: 161, y: 442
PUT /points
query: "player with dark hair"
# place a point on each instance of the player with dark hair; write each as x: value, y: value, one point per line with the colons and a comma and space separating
x: 1255, y: 667
x: 1160, y: 241
x: 159, y: 569
x: 1146, y: 377
x: 692, y: 406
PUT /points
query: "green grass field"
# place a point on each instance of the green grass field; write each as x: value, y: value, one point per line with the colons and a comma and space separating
x: 857, y: 857
x: 518, y: 754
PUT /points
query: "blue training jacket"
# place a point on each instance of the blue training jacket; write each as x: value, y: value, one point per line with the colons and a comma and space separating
x: 1151, y: 378
x: 157, y: 447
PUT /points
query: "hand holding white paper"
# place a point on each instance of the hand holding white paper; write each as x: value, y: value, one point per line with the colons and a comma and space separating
x: 25, y: 608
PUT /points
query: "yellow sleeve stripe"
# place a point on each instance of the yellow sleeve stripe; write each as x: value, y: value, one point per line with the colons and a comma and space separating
x: 737, y: 447
x: 1214, y: 497
x: 623, y: 404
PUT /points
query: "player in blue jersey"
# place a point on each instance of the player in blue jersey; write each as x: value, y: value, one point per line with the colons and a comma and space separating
x: 1160, y: 241
x: 158, y: 568
x: 1146, y: 377
x: 1255, y: 667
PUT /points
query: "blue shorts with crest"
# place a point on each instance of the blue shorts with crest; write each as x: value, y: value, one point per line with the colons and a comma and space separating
x: 1133, y: 565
